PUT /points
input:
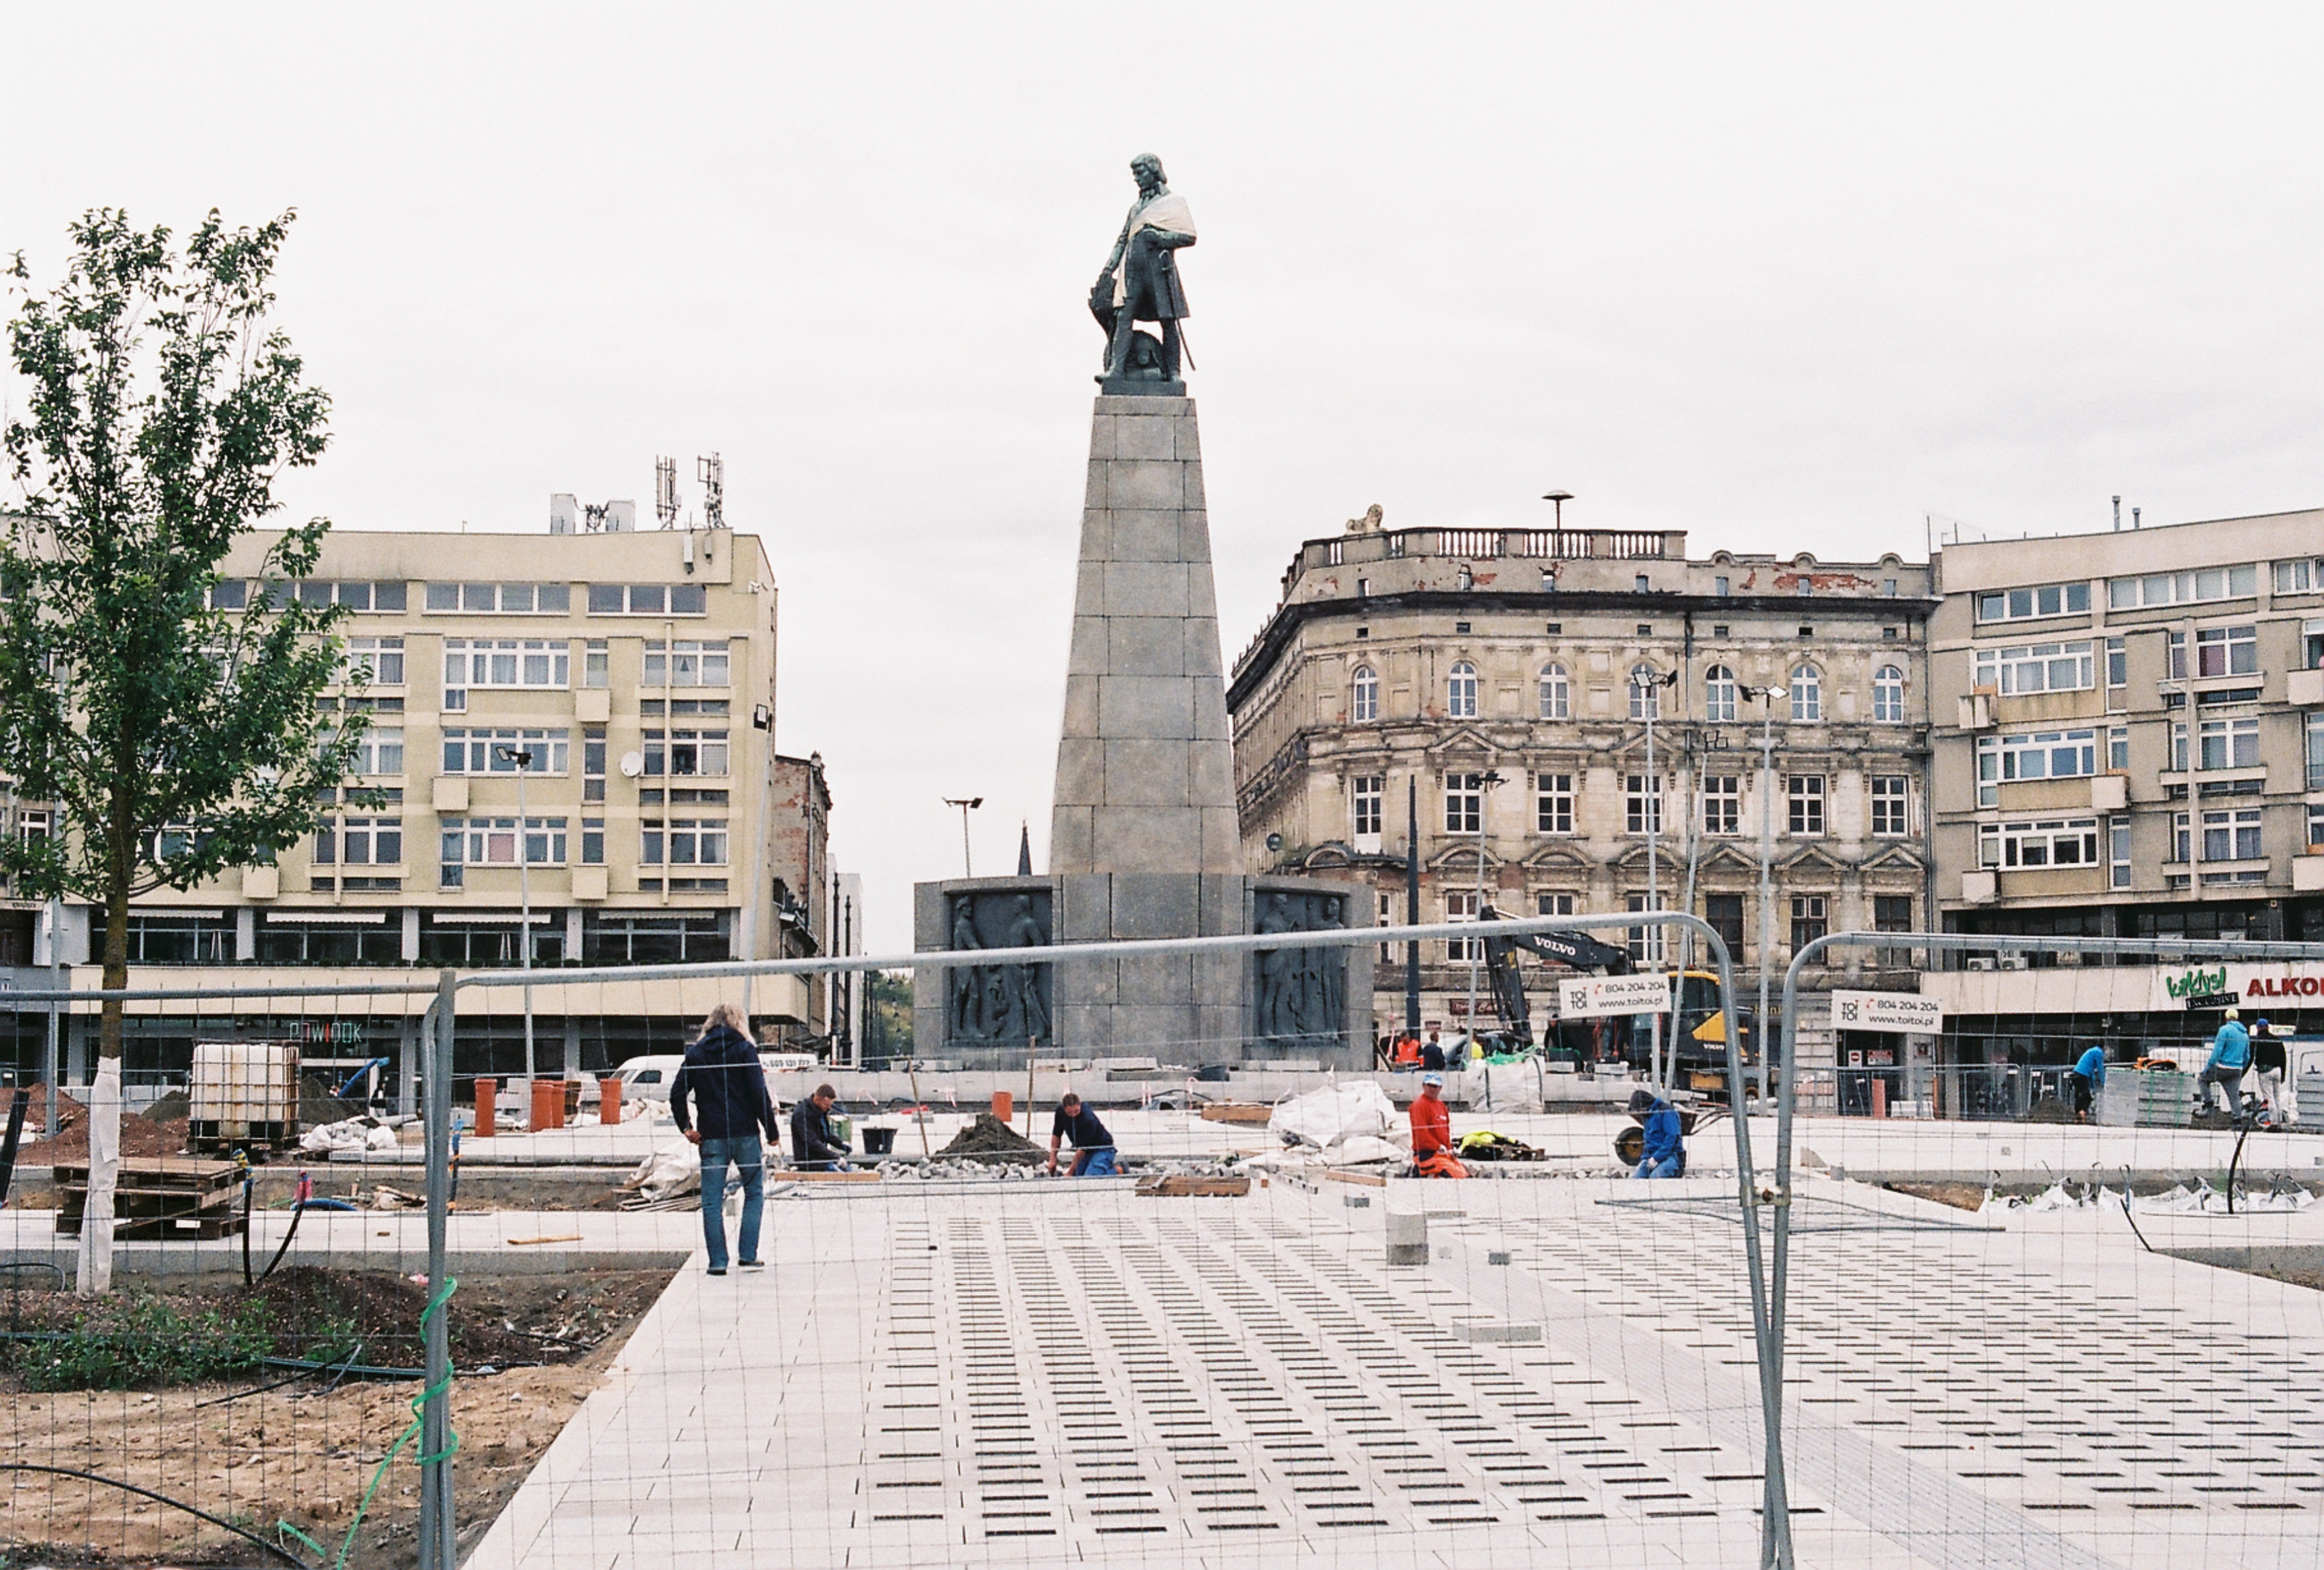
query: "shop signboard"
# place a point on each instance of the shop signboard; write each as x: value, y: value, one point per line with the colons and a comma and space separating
x: 1899, y: 1013
x: 2287, y: 986
x: 1602, y: 997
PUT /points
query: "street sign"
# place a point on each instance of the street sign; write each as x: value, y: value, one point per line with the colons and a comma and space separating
x: 1602, y: 997
x: 2202, y: 1001
x: 1901, y: 1013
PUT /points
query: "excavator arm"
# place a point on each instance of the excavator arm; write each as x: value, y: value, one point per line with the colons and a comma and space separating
x: 1576, y: 950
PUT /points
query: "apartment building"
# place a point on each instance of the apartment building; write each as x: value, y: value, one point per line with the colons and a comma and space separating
x: 1505, y: 683
x: 575, y: 727
x: 2129, y: 741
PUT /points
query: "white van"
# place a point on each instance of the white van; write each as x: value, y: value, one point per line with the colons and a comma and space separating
x: 649, y: 1078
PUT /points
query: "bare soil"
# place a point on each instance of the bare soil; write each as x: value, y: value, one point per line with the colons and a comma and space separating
x: 140, y: 1136
x: 304, y: 1453
x: 1959, y: 1196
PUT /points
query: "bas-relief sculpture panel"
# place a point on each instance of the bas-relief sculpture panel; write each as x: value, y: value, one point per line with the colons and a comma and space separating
x: 1302, y: 993
x: 988, y: 1005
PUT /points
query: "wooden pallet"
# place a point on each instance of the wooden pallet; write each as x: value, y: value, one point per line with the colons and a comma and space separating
x: 157, y: 1197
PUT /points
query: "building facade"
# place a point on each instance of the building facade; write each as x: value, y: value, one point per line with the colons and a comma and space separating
x: 623, y: 685
x: 1505, y: 683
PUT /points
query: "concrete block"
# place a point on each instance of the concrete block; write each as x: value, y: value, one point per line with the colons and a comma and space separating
x: 1146, y: 707
x: 1081, y: 771
x: 1093, y: 493
x: 1121, y: 403
x: 1144, y: 589
x: 1089, y: 589
x: 1225, y: 906
x: 1144, y: 774
x: 1191, y: 486
x: 1187, y: 437
x: 1097, y: 534
x: 1145, y: 436
x: 1220, y: 841
x: 1092, y: 982
x: 1200, y: 654
x: 1210, y: 712
x: 1088, y: 655
x: 1202, y: 590
x: 1157, y: 980
x: 1164, y: 1031
x: 1086, y: 901
x: 1069, y: 838
x: 1156, y: 905
x: 1144, y: 646
x: 1223, y: 1031
x: 1101, y: 437
x: 929, y: 916
x: 1136, y: 483
x: 1081, y: 701
x: 1407, y: 1238
x: 1139, y: 534
x: 1084, y: 1028
x: 1210, y: 776
x: 1148, y: 839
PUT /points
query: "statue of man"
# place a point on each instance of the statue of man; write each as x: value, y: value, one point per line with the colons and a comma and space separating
x: 1025, y: 932
x: 967, y: 1010
x: 1139, y: 282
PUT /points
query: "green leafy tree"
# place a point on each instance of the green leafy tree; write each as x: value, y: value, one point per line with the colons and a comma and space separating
x: 179, y: 737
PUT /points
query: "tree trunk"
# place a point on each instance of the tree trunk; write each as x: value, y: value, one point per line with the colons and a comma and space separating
x: 96, y: 1263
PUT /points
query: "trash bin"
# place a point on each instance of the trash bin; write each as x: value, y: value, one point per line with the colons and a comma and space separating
x: 878, y: 1141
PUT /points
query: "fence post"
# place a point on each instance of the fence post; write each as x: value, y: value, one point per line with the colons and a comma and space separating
x: 438, y: 1545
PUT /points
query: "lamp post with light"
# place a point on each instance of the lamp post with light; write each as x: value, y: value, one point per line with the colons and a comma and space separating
x: 966, y: 805
x: 520, y: 759
x: 1486, y: 784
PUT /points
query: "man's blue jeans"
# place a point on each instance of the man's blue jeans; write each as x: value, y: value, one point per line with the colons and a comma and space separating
x: 1097, y: 1161
x: 1668, y: 1167
x: 742, y: 1151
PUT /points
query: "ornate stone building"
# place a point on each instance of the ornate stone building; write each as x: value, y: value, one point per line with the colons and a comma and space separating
x: 1502, y: 681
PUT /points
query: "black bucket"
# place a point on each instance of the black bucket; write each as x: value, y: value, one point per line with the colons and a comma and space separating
x: 878, y: 1141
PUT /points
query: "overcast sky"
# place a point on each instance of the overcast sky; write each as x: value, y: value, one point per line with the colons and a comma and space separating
x: 1784, y: 277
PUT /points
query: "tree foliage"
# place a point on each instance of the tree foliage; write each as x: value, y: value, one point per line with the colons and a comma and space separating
x: 180, y: 738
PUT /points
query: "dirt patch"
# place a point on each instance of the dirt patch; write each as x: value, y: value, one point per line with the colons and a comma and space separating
x: 1959, y: 1196
x: 140, y: 1136
x: 988, y: 1138
x: 303, y: 1454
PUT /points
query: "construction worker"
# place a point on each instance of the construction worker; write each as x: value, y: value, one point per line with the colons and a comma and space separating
x: 1093, y: 1151
x: 2230, y: 1059
x: 2268, y: 1063
x: 1432, y: 1132
x: 2085, y: 1079
x: 1406, y: 1054
x: 1666, y: 1152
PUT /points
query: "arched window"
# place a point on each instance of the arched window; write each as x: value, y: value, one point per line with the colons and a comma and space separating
x: 1556, y: 693
x: 1888, y: 696
x: 1461, y: 692
x: 1807, y: 693
x: 1645, y: 692
x: 1719, y: 695
x: 1363, y: 694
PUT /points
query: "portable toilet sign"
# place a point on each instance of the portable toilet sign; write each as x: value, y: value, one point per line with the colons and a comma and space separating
x: 1605, y: 997
x: 1899, y: 1013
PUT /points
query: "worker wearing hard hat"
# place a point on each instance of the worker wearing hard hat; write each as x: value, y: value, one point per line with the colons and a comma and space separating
x: 1432, y: 1132
x: 2230, y: 1059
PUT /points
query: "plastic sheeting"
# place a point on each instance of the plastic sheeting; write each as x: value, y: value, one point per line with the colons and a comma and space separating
x: 1332, y: 1114
x: 673, y: 1169
x: 358, y: 1133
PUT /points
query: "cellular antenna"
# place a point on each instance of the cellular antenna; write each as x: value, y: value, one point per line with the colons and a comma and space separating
x: 666, y: 490
x: 711, y: 472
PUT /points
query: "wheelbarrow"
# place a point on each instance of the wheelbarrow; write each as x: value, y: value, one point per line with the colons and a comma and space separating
x: 1631, y: 1144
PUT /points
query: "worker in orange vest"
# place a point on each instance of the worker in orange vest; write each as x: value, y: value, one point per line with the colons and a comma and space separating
x: 1406, y: 1054
x: 1432, y: 1132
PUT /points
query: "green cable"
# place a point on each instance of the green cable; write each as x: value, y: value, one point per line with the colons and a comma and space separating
x: 418, y: 1418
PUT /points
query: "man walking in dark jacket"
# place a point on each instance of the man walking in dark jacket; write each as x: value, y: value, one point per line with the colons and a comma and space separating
x: 722, y: 1072
x: 816, y: 1145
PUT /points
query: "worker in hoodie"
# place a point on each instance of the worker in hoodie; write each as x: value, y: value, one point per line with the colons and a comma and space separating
x: 722, y: 1074
x: 1666, y: 1152
x: 2230, y: 1061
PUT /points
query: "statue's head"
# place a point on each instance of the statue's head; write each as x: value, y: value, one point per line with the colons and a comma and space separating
x: 1146, y: 169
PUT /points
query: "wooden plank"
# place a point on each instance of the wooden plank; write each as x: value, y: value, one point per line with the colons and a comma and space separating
x: 1237, y: 1112
x: 1369, y: 1179
x: 1184, y: 1185
x: 823, y: 1176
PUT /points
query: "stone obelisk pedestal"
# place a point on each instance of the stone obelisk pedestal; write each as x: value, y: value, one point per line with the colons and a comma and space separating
x: 1143, y: 836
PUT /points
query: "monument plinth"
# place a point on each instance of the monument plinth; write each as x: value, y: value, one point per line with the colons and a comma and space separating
x: 1143, y: 835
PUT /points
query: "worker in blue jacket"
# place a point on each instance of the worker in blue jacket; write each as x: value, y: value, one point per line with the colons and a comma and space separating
x: 2085, y: 1078
x: 2230, y: 1059
x: 1666, y: 1152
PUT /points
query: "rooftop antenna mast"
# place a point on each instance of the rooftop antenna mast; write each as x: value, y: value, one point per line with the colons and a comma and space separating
x: 711, y: 472
x: 666, y: 490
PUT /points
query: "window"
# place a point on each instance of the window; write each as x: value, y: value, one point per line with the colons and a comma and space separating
x: 1464, y: 803
x: 501, y: 599
x: 2041, y: 755
x: 32, y: 824
x: 357, y: 596
x: 1551, y: 904
x: 592, y: 764
x: 2232, y: 835
x: 2229, y: 744
x: 467, y: 752
x: 375, y: 661
x: 2180, y: 851
x: 492, y: 842
x: 1719, y: 695
x: 1553, y: 803
x: 1810, y: 919
x: 181, y: 937
x: 612, y: 938
x: 2316, y: 751
x: 2036, y: 668
x: 1460, y: 905
x: 1807, y: 693
x: 1554, y: 693
x: 285, y: 940
x: 2315, y: 825
x: 2118, y: 852
x: 544, y: 842
x: 369, y: 842
x: 1363, y: 695
x: 1367, y: 789
x: 594, y: 663
x: 1890, y: 798
x: 1806, y: 796
x: 1719, y: 586
x: 1722, y: 804
x: 2227, y: 651
x: 2052, y: 599
x: 230, y: 594
x: 506, y: 662
x: 2118, y: 748
x: 1893, y: 913
x: 592, y: 842
x: 1461, y: 691
x: 1888, y: 695
x: 450, y: 940
x: 1725, y: 914
x: 647, y: 599
x: 2300, y: 577
x: 1642, y: 800
x: 381, y: 751
x: 1645, y: 692
x: 2117, y: 667
x: 2050, y: 843
x: 2179, y: 588
x: 686, y: 752
x: 687, y: 663
x: 1646, y: 944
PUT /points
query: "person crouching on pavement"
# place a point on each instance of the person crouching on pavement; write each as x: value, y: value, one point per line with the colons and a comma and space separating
x: 816, y: 1145
x: 1665, y: 1153
x: 1432, y: 1132
x: 1094, y: 1152
x: 722, y: 1072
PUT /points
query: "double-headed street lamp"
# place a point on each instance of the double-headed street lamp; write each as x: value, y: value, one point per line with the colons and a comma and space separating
x: 1646, y: 697
x: 520, y: 759
x: 1486, y: 782
x: 1766, y: 698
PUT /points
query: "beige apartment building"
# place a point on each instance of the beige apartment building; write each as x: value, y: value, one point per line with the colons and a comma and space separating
x: 1504, y: 680
x: 578, y: 724
x: 2128, y: 741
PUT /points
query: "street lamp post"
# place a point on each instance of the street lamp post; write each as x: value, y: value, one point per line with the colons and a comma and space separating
x: 1766, y: 700
x: 966, y: 805
x: 1648, y: 696
x: 1486, y: 782
x: 522, y: 757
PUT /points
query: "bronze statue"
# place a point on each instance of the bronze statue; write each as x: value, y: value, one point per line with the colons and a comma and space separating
x: 1139, y: 283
